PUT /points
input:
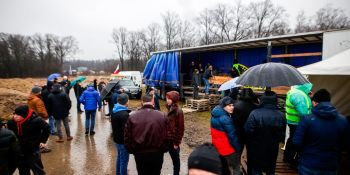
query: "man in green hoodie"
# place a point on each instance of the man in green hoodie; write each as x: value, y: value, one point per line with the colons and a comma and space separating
x: 298, y: 105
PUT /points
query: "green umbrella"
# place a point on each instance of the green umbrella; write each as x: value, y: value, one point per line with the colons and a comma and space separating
x: 78, y: 79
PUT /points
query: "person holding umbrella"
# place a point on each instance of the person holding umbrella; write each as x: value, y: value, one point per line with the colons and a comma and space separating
x: 78, y: 90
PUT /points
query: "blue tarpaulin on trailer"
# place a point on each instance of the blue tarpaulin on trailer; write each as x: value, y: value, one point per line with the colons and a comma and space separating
x: 162, y: 68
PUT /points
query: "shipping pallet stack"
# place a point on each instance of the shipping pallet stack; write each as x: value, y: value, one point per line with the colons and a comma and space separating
x: 198, y: 105
x: 214, y: 99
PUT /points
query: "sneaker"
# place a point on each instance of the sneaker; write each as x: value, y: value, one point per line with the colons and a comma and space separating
x: 60, y: 140
x: 69, y: 138
x: 92, y: 133
x: 45, y: 150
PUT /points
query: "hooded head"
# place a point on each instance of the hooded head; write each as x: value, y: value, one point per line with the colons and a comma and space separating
x: 206, y: 159
x: 227, y: 104
x: 304, y: 87
x: 56, y: 88
x: 269, y: 98
x: 174, y: 96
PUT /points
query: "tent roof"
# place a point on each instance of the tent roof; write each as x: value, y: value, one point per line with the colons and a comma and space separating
x: 338, y: 64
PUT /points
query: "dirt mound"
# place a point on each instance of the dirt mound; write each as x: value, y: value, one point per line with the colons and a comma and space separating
x: 14, y: 91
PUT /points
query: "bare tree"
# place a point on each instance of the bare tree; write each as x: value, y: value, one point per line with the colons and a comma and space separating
x: 223, y: 18
x: 151, y: 39
x: 331, y: 18
x: 266, y: 17
x: 303, y: 23
x: 64, y: 47
x: 186, y: 34
x: 119, y: 36
x: 134, y: 50
x: 171, y: 28
x: 38, y: 44
x: 241, y: 26
x: 205, y: 22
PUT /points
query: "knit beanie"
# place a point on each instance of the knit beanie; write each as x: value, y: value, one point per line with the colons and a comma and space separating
x: 205, y: 157
x: 321, y: 95
x: 226, y: 101
x: 22, y: 110
x: 36, y: 89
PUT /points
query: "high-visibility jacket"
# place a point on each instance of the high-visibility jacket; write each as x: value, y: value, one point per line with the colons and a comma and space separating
x: 292, y: 114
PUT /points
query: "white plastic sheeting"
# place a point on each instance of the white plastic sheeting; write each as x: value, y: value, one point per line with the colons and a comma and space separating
x: 339, y: 64
x: 332, y: 74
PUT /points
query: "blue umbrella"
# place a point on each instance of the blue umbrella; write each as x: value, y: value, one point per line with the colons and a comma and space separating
x: 78, y: 79
x: 53, y: 76
x: 229, y: 84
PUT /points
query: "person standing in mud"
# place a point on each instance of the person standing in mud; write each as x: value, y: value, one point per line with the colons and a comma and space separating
x: 66, y: 84
x: 176, y: 128
x: 90, y: 99
x: 195, y: 83
x: 45, y: 92
x: 145, y: 136
x: 78, y: 90
x: 264, y: 130
x: 224, y: 136
x: 59, y: 105
x: 152, y: 92
x: 118, y: 119
x: 36, y: 103
x: 31, y: 131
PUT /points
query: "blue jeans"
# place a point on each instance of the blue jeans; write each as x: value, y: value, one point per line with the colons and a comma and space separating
x: 52, y: 125
x: 308, y: 171
x: 206, y: 85
x: 90, y: 115
x: 122, y: 159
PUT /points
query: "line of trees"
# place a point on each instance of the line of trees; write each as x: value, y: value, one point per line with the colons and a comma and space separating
x: 37, y: 55
x: 222, y: 23
x: 40, y: 55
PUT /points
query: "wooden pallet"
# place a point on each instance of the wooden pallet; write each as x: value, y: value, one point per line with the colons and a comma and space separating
x: 198, y: 105
x: 214, y: 99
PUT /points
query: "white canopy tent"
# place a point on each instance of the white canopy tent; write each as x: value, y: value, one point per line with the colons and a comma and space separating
x: 332, y: 74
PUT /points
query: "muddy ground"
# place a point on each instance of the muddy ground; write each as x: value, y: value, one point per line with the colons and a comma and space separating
x: 95, y: 154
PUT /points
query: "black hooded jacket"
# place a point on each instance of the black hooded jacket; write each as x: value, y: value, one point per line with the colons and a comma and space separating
x: 264, y: 129
x: 58, y: 103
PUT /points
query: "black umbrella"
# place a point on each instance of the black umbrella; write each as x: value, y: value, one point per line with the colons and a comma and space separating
x: 105, y: 91
x: 272, y: 75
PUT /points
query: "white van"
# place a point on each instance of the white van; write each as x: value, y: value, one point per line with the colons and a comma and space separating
x: 135, y: 76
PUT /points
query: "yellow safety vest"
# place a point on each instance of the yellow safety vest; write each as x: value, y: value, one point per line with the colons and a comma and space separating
x: 292, y: 114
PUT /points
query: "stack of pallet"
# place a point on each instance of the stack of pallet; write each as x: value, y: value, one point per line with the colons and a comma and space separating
x: 214, y: 99
x: 198, y: 105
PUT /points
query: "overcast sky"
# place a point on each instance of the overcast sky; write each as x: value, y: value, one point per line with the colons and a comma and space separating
x: 91, y: 21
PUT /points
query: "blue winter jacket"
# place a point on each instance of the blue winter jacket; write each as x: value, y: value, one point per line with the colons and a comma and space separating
x: 90, y: 99
x: 320, y: 137
x: 221, y: 122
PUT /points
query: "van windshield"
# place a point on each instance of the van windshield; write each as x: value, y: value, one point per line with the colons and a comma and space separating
x: 126, y: 83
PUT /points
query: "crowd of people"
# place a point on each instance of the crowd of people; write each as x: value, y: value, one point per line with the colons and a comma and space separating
x: 317, y: 132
